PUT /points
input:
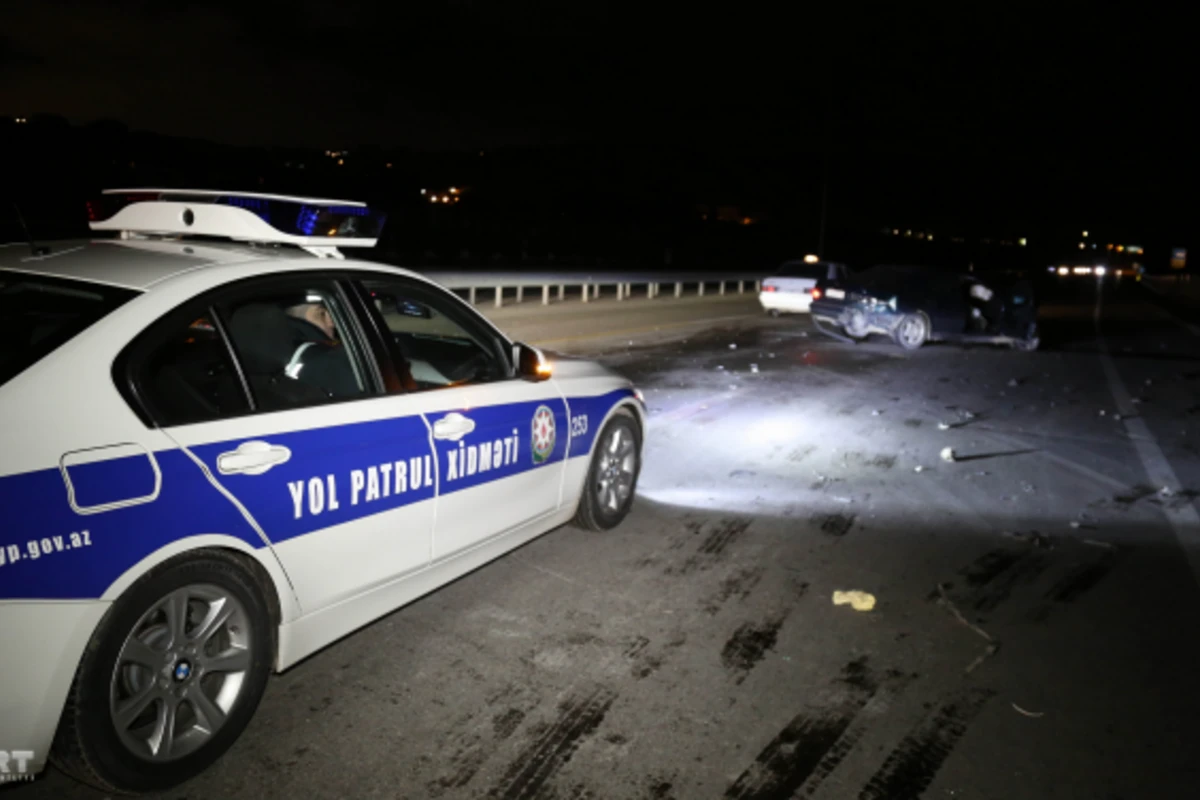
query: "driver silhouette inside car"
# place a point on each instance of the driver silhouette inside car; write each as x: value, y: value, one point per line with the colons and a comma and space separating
x: 319, y: 357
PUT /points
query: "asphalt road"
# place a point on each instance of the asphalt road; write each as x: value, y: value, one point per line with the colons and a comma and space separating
x: 1036, y: 599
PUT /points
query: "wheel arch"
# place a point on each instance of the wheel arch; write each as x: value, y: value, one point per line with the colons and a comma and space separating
x: 261, y: 563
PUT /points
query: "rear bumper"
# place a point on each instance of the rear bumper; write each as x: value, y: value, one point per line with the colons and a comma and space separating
x: 789, y: 302
x: 41, y: 643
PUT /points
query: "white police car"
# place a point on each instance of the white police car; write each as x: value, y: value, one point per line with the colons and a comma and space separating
x: 219, y: 457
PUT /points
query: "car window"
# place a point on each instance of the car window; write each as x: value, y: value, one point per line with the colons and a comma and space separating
x: 295, y: 344
x: 187, y: 374
x: 38, y: 314
x: 436, y: 341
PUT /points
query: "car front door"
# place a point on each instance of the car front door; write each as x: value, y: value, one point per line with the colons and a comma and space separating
x: 501, y: 440
x: 270, y: 387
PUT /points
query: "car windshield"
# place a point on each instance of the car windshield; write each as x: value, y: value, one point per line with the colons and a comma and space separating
x: 38, y: 314
x: 799, y: 269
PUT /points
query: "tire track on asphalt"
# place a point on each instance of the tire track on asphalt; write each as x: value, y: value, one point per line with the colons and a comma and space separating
x: 911, y: 767
x: 816, y: 741
x: 549, y: 751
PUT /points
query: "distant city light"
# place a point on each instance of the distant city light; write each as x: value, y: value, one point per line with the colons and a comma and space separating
x: 422, y: 191
x: 1082, y: 245
x: 1100, y: 271
x: 811, y: 259
x: 908, y: 233
x: 453, y: 190
x: 389, y: 165
x: 1085, y: 234
x: 1063, y: 270
x: 1120, y: 248
x: 21, y: 120
x: 341, y: 161
x: 929, y: 237
x: 1082, y: 270
x: 1134, y: 250
x: 895, y: 231
x: 1022, y: 241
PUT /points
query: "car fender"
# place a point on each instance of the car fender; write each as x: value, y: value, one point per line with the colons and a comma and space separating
x: 289, y: 607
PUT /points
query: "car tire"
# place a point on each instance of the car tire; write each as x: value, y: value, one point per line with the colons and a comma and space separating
x: 204, y: 624
x: 1031, y: 342
x: 611, y: 482
x: 911, y: 331
x: 856, y: 325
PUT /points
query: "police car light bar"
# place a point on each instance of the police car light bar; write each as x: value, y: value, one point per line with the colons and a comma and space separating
x: 315, y: 224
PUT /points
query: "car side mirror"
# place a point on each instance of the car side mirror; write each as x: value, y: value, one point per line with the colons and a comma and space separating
x: 532, y: 364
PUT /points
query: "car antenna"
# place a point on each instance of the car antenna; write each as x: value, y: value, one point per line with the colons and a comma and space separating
x: 34, y: 248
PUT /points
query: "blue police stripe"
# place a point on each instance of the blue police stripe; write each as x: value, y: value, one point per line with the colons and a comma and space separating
x: 595, y: 409
x: 39, y: 557
x: 504, y: 436
x: 36, y: 510
x: 334, y: 458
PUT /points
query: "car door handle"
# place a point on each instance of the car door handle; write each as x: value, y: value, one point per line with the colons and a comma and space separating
x: 453, y: 426
x: 252, y: 458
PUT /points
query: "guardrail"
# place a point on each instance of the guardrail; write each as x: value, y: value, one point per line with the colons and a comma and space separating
x: 556, y: 286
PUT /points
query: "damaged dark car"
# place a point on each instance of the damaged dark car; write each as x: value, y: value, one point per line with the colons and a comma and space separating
x: 913, y: 305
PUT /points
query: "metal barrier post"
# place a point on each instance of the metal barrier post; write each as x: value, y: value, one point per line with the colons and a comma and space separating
x: 520, y: 293
x: 499, y: 295
x: 586, y: 290
x: 471, y: 294
x: 700, y: 289
x: 678, y: 288
x: 546, y: 295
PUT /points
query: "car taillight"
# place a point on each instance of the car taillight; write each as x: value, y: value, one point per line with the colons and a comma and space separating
x: 816, y: 293
x: 770, y: 288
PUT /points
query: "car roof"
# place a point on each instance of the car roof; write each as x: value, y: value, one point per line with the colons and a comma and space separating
x: 140, y: 264
x: 127, y: 263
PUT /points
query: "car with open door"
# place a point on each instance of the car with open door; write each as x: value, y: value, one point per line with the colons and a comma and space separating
x: 913, y: 305
x: 226, y: 446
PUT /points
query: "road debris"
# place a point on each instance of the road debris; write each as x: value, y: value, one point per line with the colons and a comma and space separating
x: 944, y: 601
x: 944, y: 426
x: 1075, y: 524
x: 948, y: 454
x: 1098, y: 543
x: 1034, y: 538
x: 918, y: 468
x: 856, y: 599
x: 754, y: 368
x: 876, y: 413
x: 732, y: 346
x: 720, y: 367
x: 1103, y: 412
x: 1165, y: 492
x: 1013, y: 382
x: 1034, y: 714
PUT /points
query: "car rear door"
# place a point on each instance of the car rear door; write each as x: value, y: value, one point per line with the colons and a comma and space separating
x: 338, y: 474
x: 500, y: 441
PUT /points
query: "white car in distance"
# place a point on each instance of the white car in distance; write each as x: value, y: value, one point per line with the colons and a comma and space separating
x: 791, y: 289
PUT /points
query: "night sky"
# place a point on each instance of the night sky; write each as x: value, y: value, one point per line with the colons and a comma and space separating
x: 1068, y: 110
